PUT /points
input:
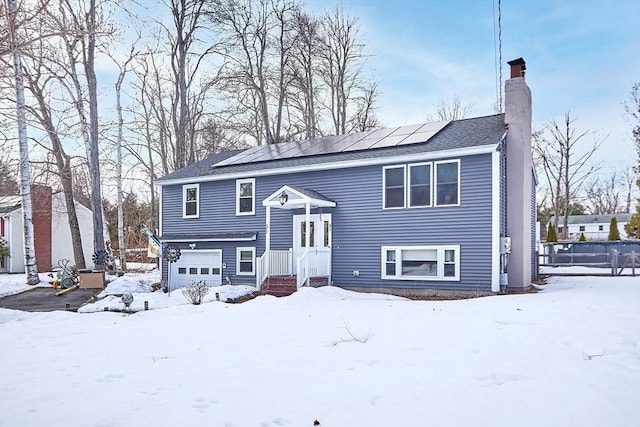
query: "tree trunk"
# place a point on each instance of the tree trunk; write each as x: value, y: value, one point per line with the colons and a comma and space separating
x: 30, y: 264
x: 94, y: 160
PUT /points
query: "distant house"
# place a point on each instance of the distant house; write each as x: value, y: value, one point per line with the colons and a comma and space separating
x: 595, y: 227
x: 407, y: 210
x: 52, y: 234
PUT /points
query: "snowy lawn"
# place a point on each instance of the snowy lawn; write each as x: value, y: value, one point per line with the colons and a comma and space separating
x: 566, y: 356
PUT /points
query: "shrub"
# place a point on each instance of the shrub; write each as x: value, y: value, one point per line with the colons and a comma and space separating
x: 582, y: 238
x: 4, y: 249
x: 614, y: 234
x: 196, y: 292
x: 552, y: 236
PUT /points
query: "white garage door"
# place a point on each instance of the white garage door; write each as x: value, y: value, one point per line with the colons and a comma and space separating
x: 197, y: 265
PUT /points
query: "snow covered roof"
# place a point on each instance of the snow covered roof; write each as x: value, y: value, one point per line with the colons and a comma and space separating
x: 9, y: 203
x: 598, y: 219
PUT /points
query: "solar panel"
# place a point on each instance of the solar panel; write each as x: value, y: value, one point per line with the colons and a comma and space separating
x: 378, y: 138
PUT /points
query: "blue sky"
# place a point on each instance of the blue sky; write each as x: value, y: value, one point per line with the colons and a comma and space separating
x: 581, y: 56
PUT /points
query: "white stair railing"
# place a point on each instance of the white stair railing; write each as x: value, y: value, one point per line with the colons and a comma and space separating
x: 303, y: 274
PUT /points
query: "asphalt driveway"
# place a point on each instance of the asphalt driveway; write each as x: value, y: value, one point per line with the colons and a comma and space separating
x: 45, y: 299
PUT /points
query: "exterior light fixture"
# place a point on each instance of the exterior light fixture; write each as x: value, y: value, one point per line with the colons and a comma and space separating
x: 192, y: 245
x: 283, y: 198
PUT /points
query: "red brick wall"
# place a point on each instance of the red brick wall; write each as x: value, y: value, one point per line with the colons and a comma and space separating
x: 41, y: 201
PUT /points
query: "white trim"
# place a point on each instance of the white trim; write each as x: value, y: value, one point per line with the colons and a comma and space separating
x: 185, y: 188
x: 251, y: 249
x: 409, y: 166
x: 435, y: 181
x: 439, y: 262
x: 239, y: 182
x: 495, y: 221
x: 296, y: 200
x: 204, y: 239
x: 384, y: 186
x: 431, y: 155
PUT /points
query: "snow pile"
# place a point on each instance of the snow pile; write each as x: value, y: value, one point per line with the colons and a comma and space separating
x: 11, y: 284
x: 566, y: 356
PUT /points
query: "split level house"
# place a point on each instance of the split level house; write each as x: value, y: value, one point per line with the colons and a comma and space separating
x: 411, y: 210
x: 52, y: 234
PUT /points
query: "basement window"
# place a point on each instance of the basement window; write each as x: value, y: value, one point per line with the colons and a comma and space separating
x: 421, y: 263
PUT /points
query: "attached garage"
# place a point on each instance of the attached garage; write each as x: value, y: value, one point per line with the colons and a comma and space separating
x: 197, y: 265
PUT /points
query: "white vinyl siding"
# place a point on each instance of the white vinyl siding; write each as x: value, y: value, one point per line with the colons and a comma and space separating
x: 246, y: 196
x: 191, y: 201
x: 421, y: 262
x: 245, y: 261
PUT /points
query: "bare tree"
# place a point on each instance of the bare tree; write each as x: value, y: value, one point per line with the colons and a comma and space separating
x: 450, y: 108
x: 605, y: 196
x: 259, y: 38
x: 565, y: 164
x: 25, y: 184
x: 122, y: 249
x: 342, y: 54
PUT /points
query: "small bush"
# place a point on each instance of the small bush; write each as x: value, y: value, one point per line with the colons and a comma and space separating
x: 196, y: 292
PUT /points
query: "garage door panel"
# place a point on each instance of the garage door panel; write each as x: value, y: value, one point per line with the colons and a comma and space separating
x: 196, y: 266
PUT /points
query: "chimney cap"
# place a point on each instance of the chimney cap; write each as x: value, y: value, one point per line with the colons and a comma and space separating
x: 518, y: 67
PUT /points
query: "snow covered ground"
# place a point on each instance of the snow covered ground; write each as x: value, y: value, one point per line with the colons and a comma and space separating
x: 566, y: 356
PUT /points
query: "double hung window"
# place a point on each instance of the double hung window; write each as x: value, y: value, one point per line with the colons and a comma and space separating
x: 245, y: 196
x: 447, y: 183
x: 245, y: 261
x: 191, y: 201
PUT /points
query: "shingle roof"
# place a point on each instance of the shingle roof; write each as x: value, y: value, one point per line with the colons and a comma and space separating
x: 458, y: 134
x: 599, y: 219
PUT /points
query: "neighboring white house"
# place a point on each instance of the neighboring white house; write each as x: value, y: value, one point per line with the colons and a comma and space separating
x: 49, y: 250
x: 595, y: 227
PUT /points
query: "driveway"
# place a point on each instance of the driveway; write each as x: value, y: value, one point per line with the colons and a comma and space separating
x: 45, y: 299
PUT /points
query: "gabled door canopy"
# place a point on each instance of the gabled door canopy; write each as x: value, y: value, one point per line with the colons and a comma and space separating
x: 289, y: 197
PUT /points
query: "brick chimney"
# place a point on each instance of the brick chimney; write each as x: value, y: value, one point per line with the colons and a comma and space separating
x: 520, y: 191
x: 518, y: 67
x: 41, y: 203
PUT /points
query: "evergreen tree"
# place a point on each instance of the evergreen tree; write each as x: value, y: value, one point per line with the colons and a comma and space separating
x: 4, y: 249
x: 614, y: 234
x: 552, y: 236
x: 582, y: 238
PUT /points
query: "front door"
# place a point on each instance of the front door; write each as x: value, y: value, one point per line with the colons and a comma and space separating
x: 320, y: 243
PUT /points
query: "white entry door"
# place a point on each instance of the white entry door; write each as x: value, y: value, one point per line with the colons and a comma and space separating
x: 320, y: 243
x: 195, y: 266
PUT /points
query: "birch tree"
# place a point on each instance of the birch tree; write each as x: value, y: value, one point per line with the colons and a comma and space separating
x: 31, y: 266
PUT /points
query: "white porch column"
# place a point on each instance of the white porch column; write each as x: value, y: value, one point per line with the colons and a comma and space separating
x: 307, y: 218
x: 267, y: 244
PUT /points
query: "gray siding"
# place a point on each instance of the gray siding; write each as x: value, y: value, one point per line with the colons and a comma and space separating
x: 534, y: 219
x: 360, y: 225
